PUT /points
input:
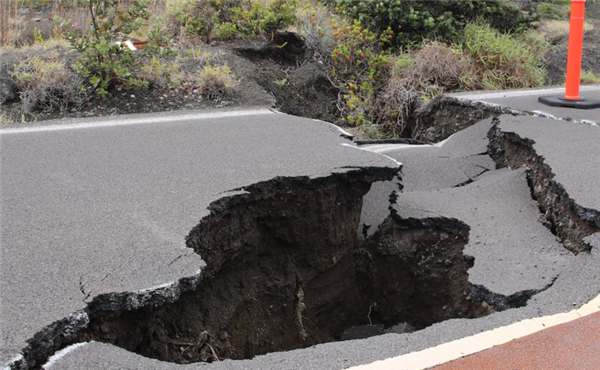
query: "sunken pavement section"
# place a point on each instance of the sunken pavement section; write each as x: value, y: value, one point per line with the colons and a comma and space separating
x: 295, y: 237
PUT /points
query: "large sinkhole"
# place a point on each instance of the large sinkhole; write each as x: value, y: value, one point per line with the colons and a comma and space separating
x: 286, y: 269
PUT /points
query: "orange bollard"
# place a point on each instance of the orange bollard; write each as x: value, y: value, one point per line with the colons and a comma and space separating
x: 575, y: 49
x: 571, y: 98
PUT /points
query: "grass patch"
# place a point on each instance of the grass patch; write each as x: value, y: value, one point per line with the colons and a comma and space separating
x: 504, y: 61
x: 589, y: 78
x: 554, y: 28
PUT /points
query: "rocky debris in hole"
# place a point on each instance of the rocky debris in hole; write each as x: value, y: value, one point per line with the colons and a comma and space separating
x: 285, y: 270
x: 561, y: 160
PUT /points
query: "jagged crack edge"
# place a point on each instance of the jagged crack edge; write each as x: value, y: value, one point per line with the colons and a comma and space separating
x: 63, y: 333
x: 501, y: 302
x: 588, y: 215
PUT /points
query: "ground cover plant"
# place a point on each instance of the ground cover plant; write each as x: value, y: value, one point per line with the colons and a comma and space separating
x: 383, y: 59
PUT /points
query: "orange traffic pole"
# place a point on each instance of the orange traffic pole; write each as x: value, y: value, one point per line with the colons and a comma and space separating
x: 575, y: 49
x: 571, y: 98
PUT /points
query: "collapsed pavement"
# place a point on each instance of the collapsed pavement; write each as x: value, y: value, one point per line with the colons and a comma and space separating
x: 434, y: 250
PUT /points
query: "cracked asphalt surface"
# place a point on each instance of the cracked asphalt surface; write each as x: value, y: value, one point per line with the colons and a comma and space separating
x: 77, y: 203
x: 99, y: 209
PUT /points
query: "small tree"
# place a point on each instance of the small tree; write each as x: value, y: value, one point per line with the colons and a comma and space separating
x: 104, y: 59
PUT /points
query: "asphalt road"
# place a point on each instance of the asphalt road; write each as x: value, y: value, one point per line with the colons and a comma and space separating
x: 119, y: 196
x: 105, y: 206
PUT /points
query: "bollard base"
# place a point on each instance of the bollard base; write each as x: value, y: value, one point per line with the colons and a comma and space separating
x: 558, y: 101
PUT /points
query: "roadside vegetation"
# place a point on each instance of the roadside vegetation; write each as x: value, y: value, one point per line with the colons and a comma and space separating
x: 384, y: 58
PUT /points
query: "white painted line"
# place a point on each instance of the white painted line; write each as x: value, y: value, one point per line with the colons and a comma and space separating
x: 135, y: 121
x: 157, y: 287
x: 512, y: 93
x: 12, y: 361
x: 467, y: 346
x: 384, y: 148
x: 366, y: 150
x: 60, y: 354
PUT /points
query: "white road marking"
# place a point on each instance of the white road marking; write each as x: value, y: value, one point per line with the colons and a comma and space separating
x: 60, y: 354
x: 384, y: 148
x: 135, y: 121
x: 367, y: 150
x: 467, y: 346
x: 12, y: 361
x: 510, y: 93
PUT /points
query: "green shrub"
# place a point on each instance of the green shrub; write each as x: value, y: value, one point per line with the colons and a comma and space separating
x: 103, y: 61
x: 251, y: 19
x: 504, y: 61
x: 359, y: 66
x: 189, y: 17
x: 413, y: 21
x: 45, y: 83
x: 158, y: 41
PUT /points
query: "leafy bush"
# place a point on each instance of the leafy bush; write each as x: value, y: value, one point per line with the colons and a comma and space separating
x: 504, y: 61
x: 413, y: 21
x: 251, y: 19
x: 46, y: 84
x: 102, y: 60
x: 359, y: 67
x: 158, y: 41
x: 189, y: 17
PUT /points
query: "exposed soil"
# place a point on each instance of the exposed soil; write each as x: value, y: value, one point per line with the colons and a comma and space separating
x: 556, y: 59
x: 287, y: 78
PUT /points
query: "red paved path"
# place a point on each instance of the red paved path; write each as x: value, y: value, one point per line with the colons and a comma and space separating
x: 571, y: 346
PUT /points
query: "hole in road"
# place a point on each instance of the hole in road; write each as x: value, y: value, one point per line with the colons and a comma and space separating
x: 285, y: 270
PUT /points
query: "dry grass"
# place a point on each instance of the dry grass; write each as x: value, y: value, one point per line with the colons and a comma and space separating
x: 437, y: 68
x: 554, y: 28
x: 47, y: 84
x: 217, y: 82
x: 395, y: 106
x: 589, y: 78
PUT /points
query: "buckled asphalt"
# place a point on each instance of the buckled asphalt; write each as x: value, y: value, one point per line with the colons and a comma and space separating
x: 54, y: 278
